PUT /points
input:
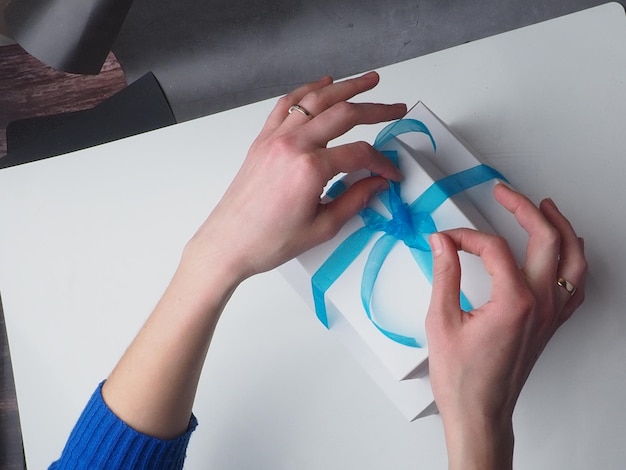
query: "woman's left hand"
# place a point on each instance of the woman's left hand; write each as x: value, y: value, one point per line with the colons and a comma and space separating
x: 272, y: 211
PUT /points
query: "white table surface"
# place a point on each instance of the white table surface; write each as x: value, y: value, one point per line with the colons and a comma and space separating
x: 89, y: 240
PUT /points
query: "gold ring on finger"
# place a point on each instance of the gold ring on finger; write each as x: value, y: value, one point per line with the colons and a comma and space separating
x: 565, y: 284
x: 301, y: 110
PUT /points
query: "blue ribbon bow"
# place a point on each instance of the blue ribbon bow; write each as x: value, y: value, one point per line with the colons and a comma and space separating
x: 409, y: 223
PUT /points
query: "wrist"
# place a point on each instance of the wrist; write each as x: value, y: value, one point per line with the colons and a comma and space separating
x: 475, y: 441
x: 203, y: 281
x: 207, y: 257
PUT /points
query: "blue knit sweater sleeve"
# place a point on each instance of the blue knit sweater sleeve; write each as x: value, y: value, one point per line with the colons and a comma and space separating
x: 100, y: 440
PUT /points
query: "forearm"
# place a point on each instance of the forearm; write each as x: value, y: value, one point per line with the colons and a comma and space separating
x: 474, y: 442
x: 153, y: 386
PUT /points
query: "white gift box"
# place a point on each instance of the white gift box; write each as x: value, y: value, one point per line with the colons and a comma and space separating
x: 454, y: 155
x: 401, y: 293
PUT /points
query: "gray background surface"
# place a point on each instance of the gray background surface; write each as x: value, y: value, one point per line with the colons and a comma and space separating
x: 214, y: 55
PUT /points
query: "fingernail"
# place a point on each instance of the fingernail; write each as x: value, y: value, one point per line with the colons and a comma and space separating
x: 435, y: 244
x: 382, y: 185
x: 502, y: 184
x: 370, y: 75
x: 551, y: 202
x: 401, y: 106
x: 398, y: 177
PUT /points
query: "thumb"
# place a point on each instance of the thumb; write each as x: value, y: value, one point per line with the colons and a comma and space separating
x: 444, y: 301
x: 338, y: 211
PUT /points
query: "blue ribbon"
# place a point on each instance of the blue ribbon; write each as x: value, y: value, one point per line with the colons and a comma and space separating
x: 409, y: 223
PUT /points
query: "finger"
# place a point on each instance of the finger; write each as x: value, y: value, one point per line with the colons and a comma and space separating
x: 497, y: 258
x: 281, y: 110
x: 343, y: 116
x: 444, y: 312
x: 572, y: 262
x: 578, y: 298
x: 356, y: 156
x: 572, y: 304
x: 575, y: 300
x: 320, y: 99
x: 542, y: 251
x: 335, y: 214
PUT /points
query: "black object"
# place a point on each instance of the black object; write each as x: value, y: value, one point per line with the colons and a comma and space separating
x: 138, y: 108
x: 70, y: 35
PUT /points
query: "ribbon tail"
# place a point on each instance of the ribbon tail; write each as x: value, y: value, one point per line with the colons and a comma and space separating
x: 374, y: 263
x: 334, y: 267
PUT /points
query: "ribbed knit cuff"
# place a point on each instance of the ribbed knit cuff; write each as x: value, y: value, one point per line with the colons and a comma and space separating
x: 100, y: 440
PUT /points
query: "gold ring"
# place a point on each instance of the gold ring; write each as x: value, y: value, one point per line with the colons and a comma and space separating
x: 565, y: 284
x: 301, y: 110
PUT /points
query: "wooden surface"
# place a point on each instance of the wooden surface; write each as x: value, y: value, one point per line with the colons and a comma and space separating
x: 11, y: 449
x: 28, y: 88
